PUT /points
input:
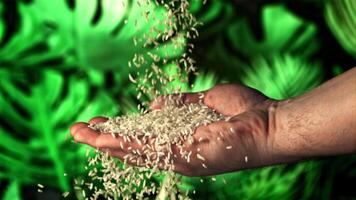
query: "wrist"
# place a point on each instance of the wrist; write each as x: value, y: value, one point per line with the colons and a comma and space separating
x: 282, y: 144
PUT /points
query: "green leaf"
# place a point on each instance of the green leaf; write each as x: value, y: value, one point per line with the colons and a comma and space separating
x: 281, y: 77
x: 37, y: 116
x: 204, y: 81
x: 275, y: 182
x: 94, y: 34
x: 2, y: 25
x: 283, y: 33
x: 340, y: 16
x: 12, y: 191
x: 215, y: 15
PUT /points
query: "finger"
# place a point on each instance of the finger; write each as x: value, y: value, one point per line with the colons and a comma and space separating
x: 96, y: 120
x: 106, y: 140
x: 84, y: 134
x: 186, y: 170
x: 77, y: 126
x: 184, y: 98
x: 180, y: 168
x: 114, y: 153
x: 141, y: 160
x: 80, y: 125
x: 132, y: 160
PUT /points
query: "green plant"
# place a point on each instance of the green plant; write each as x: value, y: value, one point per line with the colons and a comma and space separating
x: 340, y: 16
x: 215, y: 15
x: 204, y: 81
x: 36, y: 115
x: 283, y: 32
x: 276, y: 182
x: 90, y: 34
x: 281, y: 76
x: 12, y: 191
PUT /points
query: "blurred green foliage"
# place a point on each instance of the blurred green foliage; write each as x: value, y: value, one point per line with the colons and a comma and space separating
x: 63, y: 61
x: 276, y: 182
x: 283, y: 32
x: 12, y: 191
x: 54, y: 32
x: 341, y: 18
x: 34, y: 140
x: 281, y: 77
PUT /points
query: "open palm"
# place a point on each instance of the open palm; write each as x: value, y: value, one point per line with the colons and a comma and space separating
x: 238, y: 143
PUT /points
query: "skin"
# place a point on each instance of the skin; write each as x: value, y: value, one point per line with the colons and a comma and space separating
x: 321, y: 122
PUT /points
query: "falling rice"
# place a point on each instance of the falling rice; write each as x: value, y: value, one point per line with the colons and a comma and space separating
x: 65, y: 194
x: 157, y: 131
x: 200, y: 157
x: 162, y: 129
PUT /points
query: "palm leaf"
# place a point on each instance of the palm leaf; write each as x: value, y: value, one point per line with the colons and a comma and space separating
x: 282, y: 32
x: 90, y: 34
x: 281, y: 77
x: 204, y: 81
x: 35, y: 124
x: 12, y: 191
x: 215, y: 15
x: 276, y: 182
x: 340, y: 16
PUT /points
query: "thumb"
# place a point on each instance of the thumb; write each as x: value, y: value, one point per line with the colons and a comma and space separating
x: 183, y: 98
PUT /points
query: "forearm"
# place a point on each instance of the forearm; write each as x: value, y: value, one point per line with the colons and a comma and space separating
x: 321, y: 122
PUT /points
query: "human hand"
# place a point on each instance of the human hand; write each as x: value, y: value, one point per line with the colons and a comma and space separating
x: 244, y: 141
x: 241, y: 142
